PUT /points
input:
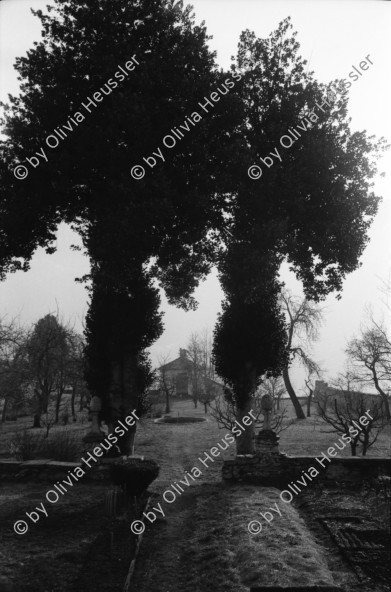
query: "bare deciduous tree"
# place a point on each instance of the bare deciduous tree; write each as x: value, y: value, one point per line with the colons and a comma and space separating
x: 166, y: 382
x: 274, y: 386
x: 194, y: 352
x: 48, y: 420
x: 208, y: 393
x: 304, y: 319
x: 199, y: 350
x: 370, y: 358
x: 340, y: 408
x: 309, y: 383
x: 13, y: 367
x: 75, y: 370
x: 223, y: 411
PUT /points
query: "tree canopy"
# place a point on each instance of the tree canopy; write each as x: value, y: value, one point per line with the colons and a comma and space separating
x: 198, y: 206
x: 163, y: 228
x: 312, y: 209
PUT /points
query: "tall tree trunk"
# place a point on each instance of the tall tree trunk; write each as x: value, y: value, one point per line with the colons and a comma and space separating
x: 4, y: 410
x: 38, y: 409
x: 292, y: 394
x: 168, y: 410
x: 124, y: 397
x: 383, y: 395
x: 45, y: 398
x: 58, y: 400
x: 130, y: 398
x: 60, y: 392
x: 245, y: 442
x: 309, y: 403
x: 365, y: 445
x: 37, y: 420
x: 73, y: 402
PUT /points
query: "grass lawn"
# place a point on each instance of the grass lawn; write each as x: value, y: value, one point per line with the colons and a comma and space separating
x: 305, y: 437
x: 201, y: 544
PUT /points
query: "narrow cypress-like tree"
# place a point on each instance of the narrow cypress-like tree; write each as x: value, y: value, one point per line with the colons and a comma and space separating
x: 311, y: 206
x: 137, y: 233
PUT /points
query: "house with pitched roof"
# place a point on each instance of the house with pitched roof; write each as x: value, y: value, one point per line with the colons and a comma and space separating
x: 187, y: 378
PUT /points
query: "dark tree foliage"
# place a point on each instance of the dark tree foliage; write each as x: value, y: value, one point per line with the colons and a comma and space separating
x: 317, y: 203
x: 162, y: 228
x: 47, y: 350
x: 119, y: 327
x: 312, y: 209
x: 250, y: 334
x: 87, y: 179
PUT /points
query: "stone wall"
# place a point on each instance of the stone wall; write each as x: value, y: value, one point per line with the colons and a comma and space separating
x: 47, y: 470
x: 279, y: 469
x: 270, y: 470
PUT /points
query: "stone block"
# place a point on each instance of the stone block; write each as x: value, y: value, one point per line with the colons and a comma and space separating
x: 278, y: 469
x: 63, y: 464
x: 35, y: 463
x: 315, y: 588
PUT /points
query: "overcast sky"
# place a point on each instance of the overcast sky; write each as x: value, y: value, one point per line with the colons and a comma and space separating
x: 334, y: 36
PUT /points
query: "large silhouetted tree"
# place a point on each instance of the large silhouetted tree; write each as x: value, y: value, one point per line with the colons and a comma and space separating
x: 250, y: 334
x: 134, y: 231
x: 311, y: 205
x: 47, y: 351
x: 196, y: 201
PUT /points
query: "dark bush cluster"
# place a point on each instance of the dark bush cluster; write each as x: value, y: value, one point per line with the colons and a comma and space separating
x: 134, y: 475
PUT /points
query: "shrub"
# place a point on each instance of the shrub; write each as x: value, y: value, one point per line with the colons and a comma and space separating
x: 134, y: 475
x: 25, y: 444
x: 65, y: 417
x: 62, y: 445
x: 181, y: 419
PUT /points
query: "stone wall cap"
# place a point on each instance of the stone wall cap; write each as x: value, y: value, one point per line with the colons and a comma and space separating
x: 38, y: 462
x: 60, y: 463
x: 337, y: 458
x: 320, y: 588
